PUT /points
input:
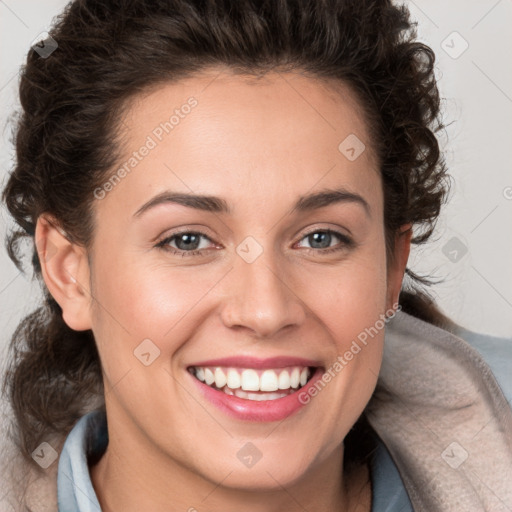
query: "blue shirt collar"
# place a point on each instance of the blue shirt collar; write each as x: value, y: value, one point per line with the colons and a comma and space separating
x: 85, y: 443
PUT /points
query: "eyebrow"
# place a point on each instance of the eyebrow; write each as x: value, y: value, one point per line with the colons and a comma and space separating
x: 215, y: 204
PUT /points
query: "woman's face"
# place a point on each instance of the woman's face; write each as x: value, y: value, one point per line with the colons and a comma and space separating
x: 253, y: 274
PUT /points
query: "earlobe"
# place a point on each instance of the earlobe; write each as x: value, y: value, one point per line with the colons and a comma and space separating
x: 397, y: 269
x: 65, y: 271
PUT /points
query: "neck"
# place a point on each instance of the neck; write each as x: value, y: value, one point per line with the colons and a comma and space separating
x: 133, y: 477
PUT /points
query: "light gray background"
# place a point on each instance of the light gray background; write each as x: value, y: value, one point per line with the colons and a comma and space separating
x: 477, y: 91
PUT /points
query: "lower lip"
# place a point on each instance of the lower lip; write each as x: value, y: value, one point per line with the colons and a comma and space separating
x: 252, y: 410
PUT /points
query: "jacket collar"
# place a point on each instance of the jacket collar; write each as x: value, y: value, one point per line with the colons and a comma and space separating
x: 444, y: 419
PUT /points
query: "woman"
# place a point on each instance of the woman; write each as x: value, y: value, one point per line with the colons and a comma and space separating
x: 177, y: 164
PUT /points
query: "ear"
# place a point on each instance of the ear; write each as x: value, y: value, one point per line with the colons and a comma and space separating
x: 396, y: 268
x: 65, y: 271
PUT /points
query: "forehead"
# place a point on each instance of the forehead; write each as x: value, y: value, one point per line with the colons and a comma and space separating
x: 274, y: 100
x: 220, y: 133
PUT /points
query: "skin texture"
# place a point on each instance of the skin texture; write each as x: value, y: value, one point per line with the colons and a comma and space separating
x: 260, y: 145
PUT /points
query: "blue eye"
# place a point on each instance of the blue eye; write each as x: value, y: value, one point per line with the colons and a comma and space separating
x: 188, y: 243
x: 187, y: 240
x: 325, y: 238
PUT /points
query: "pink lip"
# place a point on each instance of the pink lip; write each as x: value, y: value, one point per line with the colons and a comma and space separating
x: 253, y: 362
x: 268, y: 410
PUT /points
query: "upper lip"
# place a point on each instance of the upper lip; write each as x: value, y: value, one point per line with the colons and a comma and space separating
x: 254, y: 362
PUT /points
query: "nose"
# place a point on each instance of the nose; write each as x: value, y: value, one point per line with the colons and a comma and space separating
x: 261, y: 299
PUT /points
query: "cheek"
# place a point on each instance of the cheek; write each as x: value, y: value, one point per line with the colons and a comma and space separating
x: 350, y: 297
x: 350, y: 304
x: 161, y: 302
x: 357, y: 326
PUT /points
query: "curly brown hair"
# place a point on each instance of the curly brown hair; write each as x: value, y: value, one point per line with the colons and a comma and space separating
x: 66, y: 141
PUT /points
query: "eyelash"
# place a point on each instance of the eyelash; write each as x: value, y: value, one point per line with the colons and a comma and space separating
x: 346, y: 243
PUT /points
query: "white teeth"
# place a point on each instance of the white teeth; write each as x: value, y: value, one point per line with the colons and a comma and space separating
x: 294, y: 378
x: 284, y: 380
x: 256, y: 396
x: 234, y: 380
x: 249, y: 379
x: 220, y: 378
x: 200, y: 373
x: 208, y: 376
x: 268, y: 381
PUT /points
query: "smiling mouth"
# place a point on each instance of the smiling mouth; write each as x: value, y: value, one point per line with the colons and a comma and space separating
x: 254, y: 384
